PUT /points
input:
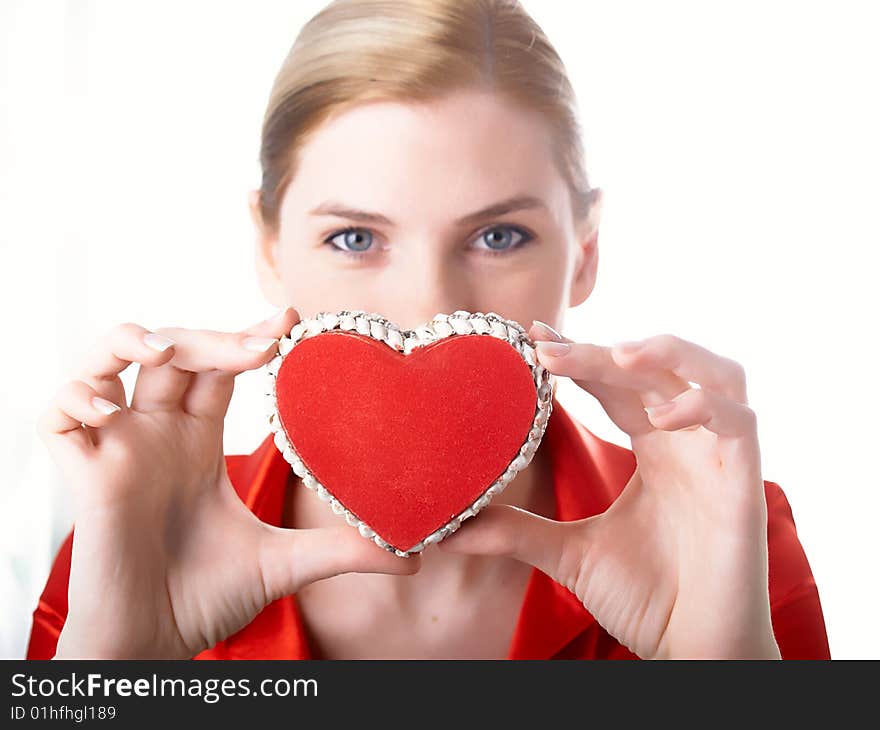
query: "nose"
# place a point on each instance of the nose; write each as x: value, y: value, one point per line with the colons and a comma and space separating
x: 429, y: 283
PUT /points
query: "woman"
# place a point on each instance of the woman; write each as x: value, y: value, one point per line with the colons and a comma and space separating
x: 430, y: 164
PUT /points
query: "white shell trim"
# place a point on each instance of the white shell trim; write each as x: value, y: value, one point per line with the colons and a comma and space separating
x: 441, y: 326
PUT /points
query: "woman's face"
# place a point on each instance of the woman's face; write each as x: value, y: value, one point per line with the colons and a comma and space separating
x: 410, y: 210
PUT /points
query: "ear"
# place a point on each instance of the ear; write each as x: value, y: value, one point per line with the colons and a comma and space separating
x: 266, y: 255
x: 587, y: 257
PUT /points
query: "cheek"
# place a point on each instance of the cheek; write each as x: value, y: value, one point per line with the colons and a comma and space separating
x: 312, y: 284
x: 305, y: 280
x: 537, y: 293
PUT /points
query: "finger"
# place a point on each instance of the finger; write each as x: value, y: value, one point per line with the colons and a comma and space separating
x: 689, y: 361
x: 623, y: 404
x: 585, y: 363
x: 290, y: 559
x: 209, y: 393
x: 702, y: 407
x: 508, y: 531
x: 116, y: 350
x: 222, y: 355
x: 278, y: 325
x: 75, y: 404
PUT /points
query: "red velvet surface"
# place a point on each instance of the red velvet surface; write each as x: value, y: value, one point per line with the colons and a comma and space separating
x: 405, y: 442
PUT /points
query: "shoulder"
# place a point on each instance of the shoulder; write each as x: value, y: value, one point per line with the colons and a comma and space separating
x: 790, y: 572
x: 795, y: 606
x: 51, y: 611
x: 599, y: 470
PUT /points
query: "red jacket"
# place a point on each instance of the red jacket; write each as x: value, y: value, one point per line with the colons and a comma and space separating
x: 588, y: 474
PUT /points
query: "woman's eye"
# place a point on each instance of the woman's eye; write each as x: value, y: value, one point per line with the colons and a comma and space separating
x: 501, y: 239
x: 352, y: 241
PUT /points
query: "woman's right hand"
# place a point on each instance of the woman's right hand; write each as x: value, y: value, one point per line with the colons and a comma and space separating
x: 167, y: 560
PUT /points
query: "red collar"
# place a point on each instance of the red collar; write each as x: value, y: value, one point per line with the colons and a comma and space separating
x: 588, y: 474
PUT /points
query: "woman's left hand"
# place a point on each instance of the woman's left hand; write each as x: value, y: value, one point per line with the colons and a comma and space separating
x: 677, y: 566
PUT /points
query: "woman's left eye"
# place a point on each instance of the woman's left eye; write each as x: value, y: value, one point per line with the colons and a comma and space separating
x: 500, y: 239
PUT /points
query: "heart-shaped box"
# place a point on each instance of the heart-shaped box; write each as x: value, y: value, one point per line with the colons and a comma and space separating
x: 407, y: 433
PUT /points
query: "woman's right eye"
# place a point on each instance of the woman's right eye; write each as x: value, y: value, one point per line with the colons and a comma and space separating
x: 351, y: 241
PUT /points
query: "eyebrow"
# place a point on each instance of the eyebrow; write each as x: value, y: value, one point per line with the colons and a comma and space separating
x: 517, y: 202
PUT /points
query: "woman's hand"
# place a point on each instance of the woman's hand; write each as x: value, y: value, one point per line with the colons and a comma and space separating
x: 677, y: 566
x: 167, y: 560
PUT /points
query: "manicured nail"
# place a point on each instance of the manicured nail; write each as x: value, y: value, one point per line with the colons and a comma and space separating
x: 660, y: 409
x: 258, y: 344
x: 628, y: 347
x: 546, y: 330
x: 157, y: 342
x: 278, y: 315
x: 554, y: 349
x: 105, y: 406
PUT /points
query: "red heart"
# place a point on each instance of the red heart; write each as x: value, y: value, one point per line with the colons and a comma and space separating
x: 405, y: 442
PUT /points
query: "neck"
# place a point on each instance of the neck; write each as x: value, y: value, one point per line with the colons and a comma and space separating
x: 532, y: 490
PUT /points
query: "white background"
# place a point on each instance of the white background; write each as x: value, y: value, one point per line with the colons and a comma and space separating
x: 736, y: 142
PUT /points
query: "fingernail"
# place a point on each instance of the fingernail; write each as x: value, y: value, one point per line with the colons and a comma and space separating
x: 278, y: 315
x: 105, y: 406
x: 157, y: 342
x: 660, y: 409
x: 631, y: 346
x: 554, y: 349
x: 258, y: 344
x: 547, y: 330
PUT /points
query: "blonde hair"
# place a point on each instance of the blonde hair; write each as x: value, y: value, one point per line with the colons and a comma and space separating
x: 355, y: 51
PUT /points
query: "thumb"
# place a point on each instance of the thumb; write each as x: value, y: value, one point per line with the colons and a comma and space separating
x: 290, y: 559
x: 505, y: 530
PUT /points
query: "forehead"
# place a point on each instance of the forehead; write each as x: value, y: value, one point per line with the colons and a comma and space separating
x: 463, y: 151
